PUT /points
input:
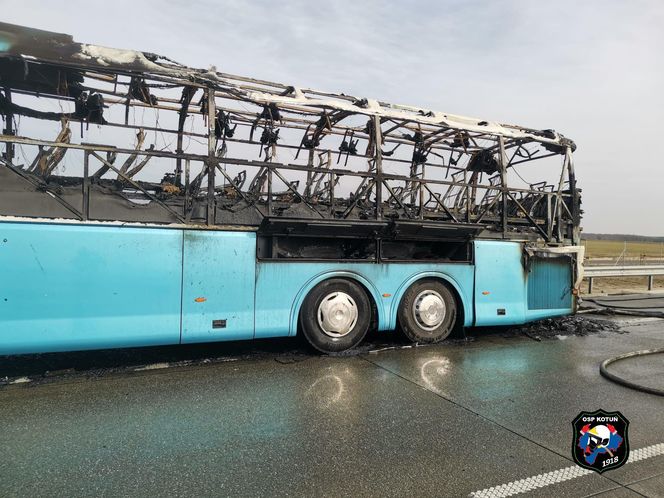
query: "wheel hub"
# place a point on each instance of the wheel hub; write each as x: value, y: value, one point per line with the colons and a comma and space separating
x: 337, y: 314
x: 429, y: 309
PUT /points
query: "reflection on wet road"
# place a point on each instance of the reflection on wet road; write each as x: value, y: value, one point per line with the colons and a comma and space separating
x: 274, y: 419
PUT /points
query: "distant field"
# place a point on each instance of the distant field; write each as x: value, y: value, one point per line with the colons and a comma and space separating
x: 613, y: 249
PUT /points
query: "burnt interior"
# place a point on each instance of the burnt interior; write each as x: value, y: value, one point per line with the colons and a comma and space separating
x: 91, y: 133
x: 283, y: 247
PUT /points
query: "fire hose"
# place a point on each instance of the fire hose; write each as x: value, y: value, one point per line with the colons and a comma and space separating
x: 603, y: 370
x: 607, y: 308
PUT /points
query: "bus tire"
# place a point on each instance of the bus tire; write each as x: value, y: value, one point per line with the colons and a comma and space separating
x: 427, y: 312
x: 335, y: 315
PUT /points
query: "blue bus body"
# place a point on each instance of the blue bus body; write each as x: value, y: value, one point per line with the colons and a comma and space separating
x: 76, y: 286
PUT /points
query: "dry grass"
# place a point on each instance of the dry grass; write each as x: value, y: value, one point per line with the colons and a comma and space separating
x: 613, y: 249
x: 607, y: 251
x: 622, y: 285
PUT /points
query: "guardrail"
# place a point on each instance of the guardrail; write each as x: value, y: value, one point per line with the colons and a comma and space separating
x: 650, y: 271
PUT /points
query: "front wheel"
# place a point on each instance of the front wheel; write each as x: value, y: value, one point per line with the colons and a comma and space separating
x: 427, y: 312
x: 335, y: 315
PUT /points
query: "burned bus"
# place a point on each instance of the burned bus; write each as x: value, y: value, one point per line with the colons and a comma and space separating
x: 144, y: 202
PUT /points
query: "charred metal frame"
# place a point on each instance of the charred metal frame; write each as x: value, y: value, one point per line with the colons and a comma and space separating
x: 415, y: 173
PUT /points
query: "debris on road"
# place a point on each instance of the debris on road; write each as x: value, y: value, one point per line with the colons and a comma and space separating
x: 561, y: 327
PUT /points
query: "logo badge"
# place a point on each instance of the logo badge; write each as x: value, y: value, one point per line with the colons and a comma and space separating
x: 600, y: 440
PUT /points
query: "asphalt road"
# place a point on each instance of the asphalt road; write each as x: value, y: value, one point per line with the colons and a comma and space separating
x: 272, y: 419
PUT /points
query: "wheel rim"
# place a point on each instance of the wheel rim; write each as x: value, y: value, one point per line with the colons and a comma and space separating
x: 429, y: 309
x: 337, y: 314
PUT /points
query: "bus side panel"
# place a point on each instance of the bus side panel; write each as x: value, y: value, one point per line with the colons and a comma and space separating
x: 281, y: 287
x: 500, y: 283
x: 69, y: 287
x: 550, y: 285
x: 218, y: 285
x: 508, y: 294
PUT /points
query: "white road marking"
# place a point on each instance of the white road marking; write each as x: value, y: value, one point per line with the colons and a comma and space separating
x: 631, y: 322
x: 647, y: 452
x: 153, y: 366
x: 557, y: 476
x: 21, y: 380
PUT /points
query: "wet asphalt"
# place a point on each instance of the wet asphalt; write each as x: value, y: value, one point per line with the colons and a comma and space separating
x: 274, y: 419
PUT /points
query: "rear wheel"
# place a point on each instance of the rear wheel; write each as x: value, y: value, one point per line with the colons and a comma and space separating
x: 427, y: 312
x: 335, y: 315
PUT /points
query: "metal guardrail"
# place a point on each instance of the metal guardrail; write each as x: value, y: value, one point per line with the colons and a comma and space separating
x: 650, y: 271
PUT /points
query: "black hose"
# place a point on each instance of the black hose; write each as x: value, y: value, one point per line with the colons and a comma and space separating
x: 608, y: 309
x: 619, y: 380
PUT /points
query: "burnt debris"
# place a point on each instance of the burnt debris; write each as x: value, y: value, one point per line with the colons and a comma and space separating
x: 552, y: 328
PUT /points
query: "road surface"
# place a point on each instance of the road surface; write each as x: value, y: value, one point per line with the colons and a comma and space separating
x: 483, y: 417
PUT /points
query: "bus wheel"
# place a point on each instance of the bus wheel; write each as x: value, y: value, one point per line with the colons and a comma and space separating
x: 335, y: 315
x: 427, y: 312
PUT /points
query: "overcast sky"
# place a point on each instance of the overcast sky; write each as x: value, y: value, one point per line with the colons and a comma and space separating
x: 592, y: 70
